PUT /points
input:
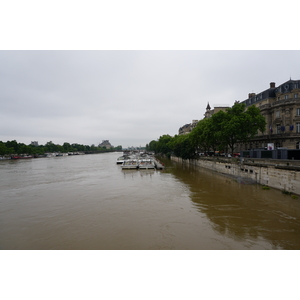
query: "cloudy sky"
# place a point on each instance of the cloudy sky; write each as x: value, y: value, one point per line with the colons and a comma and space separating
x: 122, y: 90
x: 127, y: 97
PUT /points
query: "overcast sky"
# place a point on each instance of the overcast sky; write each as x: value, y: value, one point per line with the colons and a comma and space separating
x: 126, y: 97
x: 142, y: 89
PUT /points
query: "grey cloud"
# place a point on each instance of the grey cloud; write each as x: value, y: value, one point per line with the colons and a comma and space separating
x: 128, y: 97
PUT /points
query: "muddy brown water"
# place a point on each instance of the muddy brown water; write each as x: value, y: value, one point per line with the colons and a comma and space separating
x: 89, y: 202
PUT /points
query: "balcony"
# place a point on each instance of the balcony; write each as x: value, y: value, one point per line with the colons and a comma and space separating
x: 285, y: 102
x: 282, y: 135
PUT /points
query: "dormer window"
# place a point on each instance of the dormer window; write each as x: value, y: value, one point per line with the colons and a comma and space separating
x: 286, y: 96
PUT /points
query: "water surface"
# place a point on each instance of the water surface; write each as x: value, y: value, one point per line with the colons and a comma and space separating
x: 89, y: 202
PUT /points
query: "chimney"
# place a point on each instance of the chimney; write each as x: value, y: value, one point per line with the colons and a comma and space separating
x: 272, y: 85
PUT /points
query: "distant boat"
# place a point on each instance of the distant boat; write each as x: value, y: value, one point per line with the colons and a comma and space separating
x: 146, y: 164
x: 121, y: 159
x: 21, y: 157
x: 130, y: 164
x: 4, y: 157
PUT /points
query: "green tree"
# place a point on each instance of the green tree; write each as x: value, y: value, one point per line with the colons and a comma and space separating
x: 241, y: 124
x: 163, y: 146
x: 3, y: 149
x: 182, y: 146
x: 204, y: 135
x: 50, y: 147
x: 13, y: 145
x: 67, y: 147
x: 23, y: 149
x: 152, y: 146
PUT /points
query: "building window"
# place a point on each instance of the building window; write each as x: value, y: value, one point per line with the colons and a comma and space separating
x: 296, y: 85
x: 277, y: 114
x: 298, y: 111
x: 298, y: 127
x: 286, y: 96
x: 295, y: 95
x: 278, y: 128
x: 297, y: 145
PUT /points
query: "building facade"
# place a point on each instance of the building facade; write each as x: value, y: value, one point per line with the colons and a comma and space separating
x: 209, y: 112
x: 187, y: 128
x: 281, y: 108
x: 105, y: 144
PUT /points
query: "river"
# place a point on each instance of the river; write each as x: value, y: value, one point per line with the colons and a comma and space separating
x: 89, y: 202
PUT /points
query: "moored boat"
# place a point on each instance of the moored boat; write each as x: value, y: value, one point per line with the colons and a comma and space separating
x: 130, y: 164
x: 120, y: 159
x: 21, y: 157
x: 146, y: 164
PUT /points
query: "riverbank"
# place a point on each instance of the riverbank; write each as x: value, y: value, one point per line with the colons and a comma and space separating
x: 279, y: 174
x: 52, y: 154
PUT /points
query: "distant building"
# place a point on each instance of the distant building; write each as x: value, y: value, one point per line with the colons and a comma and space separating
x: 209, y: 112
x: 105, y: 144
x: 34, y: 143
x: 187, y: 128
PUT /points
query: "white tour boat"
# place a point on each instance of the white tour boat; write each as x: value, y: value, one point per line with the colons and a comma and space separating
x: 130, y: 164
x: 146, y: 164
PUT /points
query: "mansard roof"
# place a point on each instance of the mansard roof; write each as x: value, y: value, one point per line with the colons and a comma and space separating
x: 272, y: 91
x: 288, y: 86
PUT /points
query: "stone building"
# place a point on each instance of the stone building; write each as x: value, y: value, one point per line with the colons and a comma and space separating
x: 281, y: 108
x: 105, y: 144
x: 187, y: 128
x: 209, y: 112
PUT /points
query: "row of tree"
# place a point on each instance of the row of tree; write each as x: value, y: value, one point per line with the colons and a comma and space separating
x: 13, y: 147
x: 221, y: 132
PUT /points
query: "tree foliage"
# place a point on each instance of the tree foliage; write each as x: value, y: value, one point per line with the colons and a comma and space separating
x: 13, y: 147
x: 162, y: 145
x: 182, y: 146
x: 241, y: 125
x: 221, y: 132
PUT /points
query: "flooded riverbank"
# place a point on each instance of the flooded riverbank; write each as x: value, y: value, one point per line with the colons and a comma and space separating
x: 89, y: 202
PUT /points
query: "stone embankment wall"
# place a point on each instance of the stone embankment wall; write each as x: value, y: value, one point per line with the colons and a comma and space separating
x: 279, y: 174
